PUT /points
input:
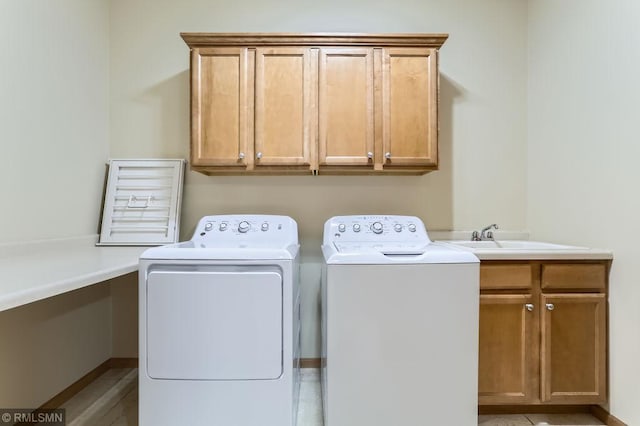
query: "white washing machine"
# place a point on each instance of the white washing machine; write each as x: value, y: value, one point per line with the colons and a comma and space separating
x: 220, y: 325
x: 399, y: 325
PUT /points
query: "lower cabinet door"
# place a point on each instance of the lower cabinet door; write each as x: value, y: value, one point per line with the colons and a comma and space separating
x: 507, y: 362
x: 573, y: 353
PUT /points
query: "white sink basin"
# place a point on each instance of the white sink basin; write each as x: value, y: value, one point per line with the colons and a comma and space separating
x: 512, y: 245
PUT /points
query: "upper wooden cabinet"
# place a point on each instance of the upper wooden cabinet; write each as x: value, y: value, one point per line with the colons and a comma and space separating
x: 309, y: 103
x: 346, y: 107
x: 410, y: 107
x: 220, y: 116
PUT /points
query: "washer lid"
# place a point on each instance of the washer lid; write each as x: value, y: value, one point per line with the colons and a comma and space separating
x: 192, y: 251
x: 387, y: 248
x: 384, y: 239
x: 235, y: 237
x: 432, y: 253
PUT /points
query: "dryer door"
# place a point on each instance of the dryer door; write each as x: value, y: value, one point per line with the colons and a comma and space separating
x: 214, y: 324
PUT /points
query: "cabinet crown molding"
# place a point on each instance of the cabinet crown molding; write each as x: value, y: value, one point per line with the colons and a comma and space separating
x: 313, y: 39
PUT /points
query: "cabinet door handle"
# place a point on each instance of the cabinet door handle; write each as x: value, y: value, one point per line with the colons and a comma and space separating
x: 241, y: 156
x: 387, y: 156
x: 550, y: 306
x: 369, y: 155
x: 259, y: 155
x: 529, y: 306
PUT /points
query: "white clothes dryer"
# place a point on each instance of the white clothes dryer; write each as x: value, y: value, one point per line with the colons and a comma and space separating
x: 399, y: 325
x: 219, y: 335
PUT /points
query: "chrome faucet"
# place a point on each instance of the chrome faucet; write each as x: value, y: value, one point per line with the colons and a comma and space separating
x: 485, y: 233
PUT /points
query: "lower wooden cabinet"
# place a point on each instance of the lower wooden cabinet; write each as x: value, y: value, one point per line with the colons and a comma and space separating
x: 508, y: 350
x: 543, y: 346
x: 573, y: 349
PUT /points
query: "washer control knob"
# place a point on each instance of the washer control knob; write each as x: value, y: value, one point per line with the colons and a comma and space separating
x: 356, y: 227
x: 397, y: 227
x: 243, y: 226
x: 223, y: 226
x: 377, y: 227
x: 412, y: 227
x: 265, y: 226
x: 208, y: 226
x: 342, y: 227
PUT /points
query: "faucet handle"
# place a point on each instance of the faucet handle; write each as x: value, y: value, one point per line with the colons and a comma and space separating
x: 475, y: 236
x: 488, y: 235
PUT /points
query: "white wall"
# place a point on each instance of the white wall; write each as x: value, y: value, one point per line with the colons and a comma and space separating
x: 584, y: 63
x: 54, y: 133
x: 483, y: 114
x: 54, y: 141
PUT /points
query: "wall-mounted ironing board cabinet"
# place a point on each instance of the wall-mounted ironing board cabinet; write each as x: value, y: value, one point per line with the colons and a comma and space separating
x: 142, y: 202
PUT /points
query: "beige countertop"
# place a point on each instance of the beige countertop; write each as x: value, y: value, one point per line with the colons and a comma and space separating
x: 529, y: 250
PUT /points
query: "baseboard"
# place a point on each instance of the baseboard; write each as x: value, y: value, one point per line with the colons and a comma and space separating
x: 87, y: 379
x: 606, y: 417
x: 309, y: 362
x: 77, y: 386
x: 123, y: 363
x: 533, y: 409
x: 595, y: 410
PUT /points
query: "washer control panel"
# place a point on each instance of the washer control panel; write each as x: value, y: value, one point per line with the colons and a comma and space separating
x: 230, y: 230
x: 376, y: 229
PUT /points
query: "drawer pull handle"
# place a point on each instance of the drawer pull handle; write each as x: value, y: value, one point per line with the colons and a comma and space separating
x: 529, y: 306
x: 369, y: 155
x: 550, y: 307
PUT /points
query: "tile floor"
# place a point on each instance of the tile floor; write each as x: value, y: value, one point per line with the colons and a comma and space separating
x: 112, y: 400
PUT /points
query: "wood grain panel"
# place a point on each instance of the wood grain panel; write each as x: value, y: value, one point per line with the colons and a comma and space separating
x: 283, y: 112
x: 507, y: 347
x: 574, y: 276
x: 573, y: 351
x: 313, y: 39
x: 219, y: 106
x: 509, y: 275
x: 346, y: 107
x: 410, y: 99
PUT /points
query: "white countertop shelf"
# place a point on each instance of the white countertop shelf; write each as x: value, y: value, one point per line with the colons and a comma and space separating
x: 37, y: 270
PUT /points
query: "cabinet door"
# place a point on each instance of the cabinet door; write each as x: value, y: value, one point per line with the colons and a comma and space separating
x: 573, y: 353
x: 285, y: 99
x: 346, y: 107
x: 409, y: 103
x: 507, y: 358
x: 219, y: 107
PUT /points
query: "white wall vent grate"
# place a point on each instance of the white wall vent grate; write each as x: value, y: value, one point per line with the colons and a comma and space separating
x: 142, y: 202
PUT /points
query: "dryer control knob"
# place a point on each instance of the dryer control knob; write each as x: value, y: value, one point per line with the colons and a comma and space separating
x: 223, y: 226
x: 356, y: 227
x: 342, y: 227
x: 265, y: 226
x: 244, y: 226
x: 377, y: 227
x: 397, y: 227
x: 412, y: 227
x: 208, y: 226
